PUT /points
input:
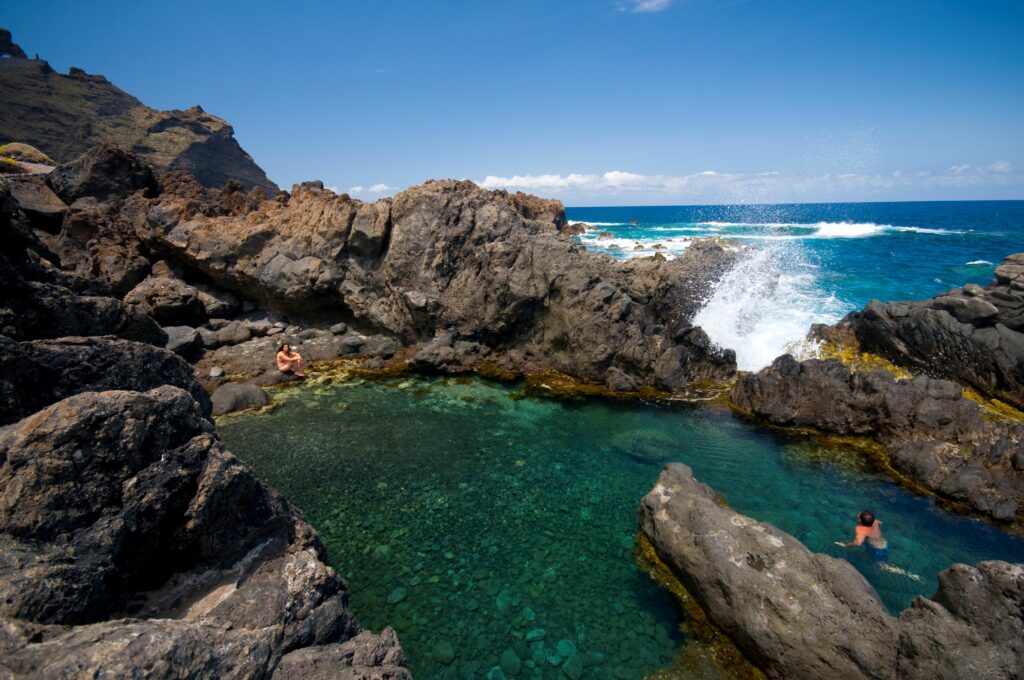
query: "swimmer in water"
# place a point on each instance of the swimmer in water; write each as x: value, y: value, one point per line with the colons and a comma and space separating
x: 868, y: 533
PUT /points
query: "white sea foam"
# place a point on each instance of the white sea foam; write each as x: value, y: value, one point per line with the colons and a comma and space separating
x: 848, y: 229
x: 974, y: 263
x: 764, y: 306
x: 627, y: 248
x: 826, y: 229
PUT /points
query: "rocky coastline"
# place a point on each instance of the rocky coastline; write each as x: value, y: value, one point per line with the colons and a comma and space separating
x: 145, y: 294
x: 148, y: 269
x: 792, y: 613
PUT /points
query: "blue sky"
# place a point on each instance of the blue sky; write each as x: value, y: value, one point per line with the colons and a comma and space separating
x: 595, y: 102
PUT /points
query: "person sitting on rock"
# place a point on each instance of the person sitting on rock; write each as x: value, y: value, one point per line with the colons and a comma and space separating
x: 289, y: 362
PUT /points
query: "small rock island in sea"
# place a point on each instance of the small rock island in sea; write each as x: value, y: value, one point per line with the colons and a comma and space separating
x: 144, y: 290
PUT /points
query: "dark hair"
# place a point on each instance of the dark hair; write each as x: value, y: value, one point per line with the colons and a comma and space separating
x: 283, y: 345
x: 866, y: 518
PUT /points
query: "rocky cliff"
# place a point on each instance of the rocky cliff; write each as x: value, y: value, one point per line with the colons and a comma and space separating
x: 447, y: 262
x: 796, y: 614
x: 450, y: 274
x: 131, y: 542
x: 65, y: 115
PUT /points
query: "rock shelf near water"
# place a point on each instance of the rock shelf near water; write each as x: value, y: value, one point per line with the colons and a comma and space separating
x: 797, y: 614
x: 932, y: 434
x: 972, y: 334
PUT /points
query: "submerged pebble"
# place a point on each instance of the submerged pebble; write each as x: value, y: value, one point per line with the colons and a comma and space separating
x: 510, y: 662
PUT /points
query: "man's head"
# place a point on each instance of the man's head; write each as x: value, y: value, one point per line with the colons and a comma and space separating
x: 866, y: 518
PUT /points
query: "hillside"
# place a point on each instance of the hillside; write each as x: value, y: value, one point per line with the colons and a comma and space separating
x: 65, y: 115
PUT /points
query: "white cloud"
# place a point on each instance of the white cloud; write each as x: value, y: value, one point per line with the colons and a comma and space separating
x: 649, y: 5
x: 768, y: 187
x: 378, y: 188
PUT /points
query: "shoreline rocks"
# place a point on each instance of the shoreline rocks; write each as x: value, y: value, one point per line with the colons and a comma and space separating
x: 131, y: 541
x: 974, y: 335
x: 929, y: 431
x: 447, y: 262
x: 797, y: 614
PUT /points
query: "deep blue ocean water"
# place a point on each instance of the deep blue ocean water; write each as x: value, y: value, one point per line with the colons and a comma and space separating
x: 816, y: 262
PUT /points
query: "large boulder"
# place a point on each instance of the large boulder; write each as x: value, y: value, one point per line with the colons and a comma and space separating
x: 237, y: 397
x: 827, y: 395
x: 794, y: 613
x: 218, y: 573
x: 104, y: 172
x: 35, y: 374
x: 168, y: 300
x: 802, y: 615
x: 43, y: 208
x: 40, y: 310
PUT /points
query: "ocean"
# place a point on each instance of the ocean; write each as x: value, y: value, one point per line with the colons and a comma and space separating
x: 813, y: 263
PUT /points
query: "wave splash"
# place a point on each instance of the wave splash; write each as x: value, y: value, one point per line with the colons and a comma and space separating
x: 764, y: 306
x: 626, y: 241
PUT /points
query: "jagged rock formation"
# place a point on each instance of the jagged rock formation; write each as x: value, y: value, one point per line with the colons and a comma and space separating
x: 65, y: 115
x: 131, y: 541
x: 797, y: 614
x: 459, y: 275
x: 974, y: 335
x: 931, y: 433
x: 488, y: 274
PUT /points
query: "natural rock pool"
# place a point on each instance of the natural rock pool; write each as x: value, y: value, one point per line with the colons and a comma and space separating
x: 494, y: 531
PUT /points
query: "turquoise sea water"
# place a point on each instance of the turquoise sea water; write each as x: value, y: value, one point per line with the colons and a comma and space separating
x: 489, y: 528
x: 813, y: 263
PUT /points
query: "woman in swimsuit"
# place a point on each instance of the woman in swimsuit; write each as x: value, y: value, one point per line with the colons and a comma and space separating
x: 289, y: 362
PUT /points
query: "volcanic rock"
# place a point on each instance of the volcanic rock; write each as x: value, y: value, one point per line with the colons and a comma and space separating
x: 65, y: 115
x: 374, y: 657
x: 489, y: 267
x: 38, y: 373
x: 169, y: 301
x: 219, y: 574
x: 932, y: 434
x: 105, y: 172
x: 43, y: 208
x: 975, y: 337
x: 237, y: 397
x: 184, y: 340
x: 797, y: 614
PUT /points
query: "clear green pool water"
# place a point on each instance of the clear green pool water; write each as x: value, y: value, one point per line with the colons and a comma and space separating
x: 494, y: 532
